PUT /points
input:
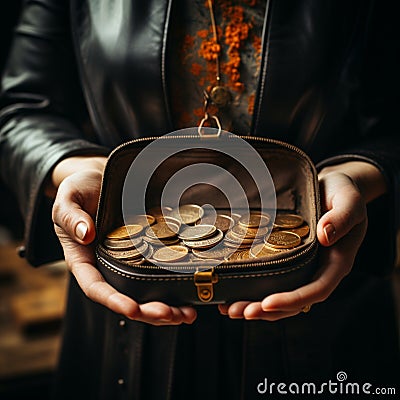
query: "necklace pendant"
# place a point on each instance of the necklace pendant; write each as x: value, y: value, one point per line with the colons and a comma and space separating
x: 220, y: 96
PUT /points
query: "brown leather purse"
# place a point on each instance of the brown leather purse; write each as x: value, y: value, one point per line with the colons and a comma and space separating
x: 295, y: 182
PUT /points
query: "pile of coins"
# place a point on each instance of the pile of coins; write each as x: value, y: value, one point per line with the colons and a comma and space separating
x: 188, y: 234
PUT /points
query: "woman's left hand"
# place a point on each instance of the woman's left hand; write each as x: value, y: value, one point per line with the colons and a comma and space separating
x: 341, y: 230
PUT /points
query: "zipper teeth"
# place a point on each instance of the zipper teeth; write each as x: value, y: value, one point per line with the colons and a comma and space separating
x: 232, y: 266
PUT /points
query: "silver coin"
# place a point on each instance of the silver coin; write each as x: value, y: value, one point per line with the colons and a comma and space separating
x: 197, y: 232
x: 205, y: 243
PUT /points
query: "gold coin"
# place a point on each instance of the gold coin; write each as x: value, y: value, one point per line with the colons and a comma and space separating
x: 197, y: 232
x: 283, y: 240
x: 188, y: 213
x: 237, y: 246
x: 161, y: 230
x: 231, y: 237
x: 126, y: 231
x: 170, y: 253
x: 129, y: 254
x: 261, y: 250
x: 135, y: 262
x: 221, y: 222
x: 161, y: 242
x: 302, y: 230
x: 143, y: 220
x: 239, y: 255
x: 122, y: 244
x: 254, y: 220
x: 288, y: 221
x: 205, y: 243
x: 216, y: 253
x: 172, y: 223
x: 249, y: 233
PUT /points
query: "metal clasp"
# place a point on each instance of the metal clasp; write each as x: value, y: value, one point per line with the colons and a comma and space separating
x: 207, y: 116
x: 205, y: 280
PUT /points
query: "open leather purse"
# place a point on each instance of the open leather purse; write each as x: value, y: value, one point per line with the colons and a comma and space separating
x: 201, y: 281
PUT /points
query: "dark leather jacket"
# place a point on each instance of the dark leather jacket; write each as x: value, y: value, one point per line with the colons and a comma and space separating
x: 329, y: 83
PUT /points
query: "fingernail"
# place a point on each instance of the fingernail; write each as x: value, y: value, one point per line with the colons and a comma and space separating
x: 330, y: 233
x: 81, y: 230
x: 266, y: 304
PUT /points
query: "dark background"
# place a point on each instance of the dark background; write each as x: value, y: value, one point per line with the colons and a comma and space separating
x: 9, y: 213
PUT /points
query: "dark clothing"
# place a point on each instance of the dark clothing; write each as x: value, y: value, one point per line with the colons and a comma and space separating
x: 328, y: 83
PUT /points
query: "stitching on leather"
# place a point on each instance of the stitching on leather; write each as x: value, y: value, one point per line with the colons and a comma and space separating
x: 255, y: 275
x: 142, y: 279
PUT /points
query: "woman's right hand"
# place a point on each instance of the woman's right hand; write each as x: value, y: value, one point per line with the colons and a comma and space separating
x: 76, y: 185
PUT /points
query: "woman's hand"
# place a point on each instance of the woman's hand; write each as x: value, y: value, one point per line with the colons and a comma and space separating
x: 345, y: 191
x: 76, y: 185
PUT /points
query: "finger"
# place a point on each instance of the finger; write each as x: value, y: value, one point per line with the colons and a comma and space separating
x: 254, y: 311
x: 68, y: 215
x: 157, y: 313
x: 189, y: 315
x: 236, y: 309
x: 223, y: 308
x: 95, y: 288
x: 346, y: 208
x: 337, y: 262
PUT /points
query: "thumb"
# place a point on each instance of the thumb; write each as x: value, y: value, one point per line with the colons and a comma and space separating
x: 346, y: 209
x: 71, y: 218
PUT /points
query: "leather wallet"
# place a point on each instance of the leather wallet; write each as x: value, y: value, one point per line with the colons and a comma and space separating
x: 193, y: 283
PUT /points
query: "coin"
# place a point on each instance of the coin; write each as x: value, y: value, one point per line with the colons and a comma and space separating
x: 122, y: 244
x: 236, y: 246
x: 249, y: 233
x: 217, y: 253
x: 173, y: 223
x: 261, y: 250
x: 143, y: 220
x: 126, y: 231
x: 149, y: 252
x: 288, y: 221
x: 170, y: 253
x: 137, y: 261
x: 205, y: 243
x: 161, y: 230
x: 129, y: 254
x: 239, y: 255
x: 255, y: 219
x: 231, y: 237
x: 221, y: 222
x: 283, y: 240
x: 302, y: 230
x: 188, y: 213
x: 197, y: 232
x: 161, y: 242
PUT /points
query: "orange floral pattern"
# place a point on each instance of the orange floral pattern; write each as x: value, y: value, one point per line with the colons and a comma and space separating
x: 194, y: 53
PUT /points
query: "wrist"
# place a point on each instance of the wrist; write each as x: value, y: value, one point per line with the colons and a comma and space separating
x: 71, y: 165
x: 366, y: 176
